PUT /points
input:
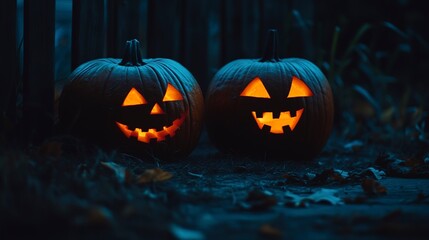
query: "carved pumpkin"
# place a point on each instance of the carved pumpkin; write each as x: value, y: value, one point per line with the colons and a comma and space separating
x: 282, y: 108
x: 151, y: 106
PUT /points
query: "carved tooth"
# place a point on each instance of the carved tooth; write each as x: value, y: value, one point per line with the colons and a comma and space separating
x: 266, y: 128
x: 259, y: 114
x: 276, y: 114
x: 293, y: 113
x: 286, y: 128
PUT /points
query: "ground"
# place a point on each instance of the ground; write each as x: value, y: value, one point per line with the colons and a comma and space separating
x: 353, y: 190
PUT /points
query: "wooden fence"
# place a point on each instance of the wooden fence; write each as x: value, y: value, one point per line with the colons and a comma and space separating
x: 203, y: 35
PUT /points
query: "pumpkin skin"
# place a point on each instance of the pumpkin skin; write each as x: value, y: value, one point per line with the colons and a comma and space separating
x: 277, y: 108
x: 144, y: 107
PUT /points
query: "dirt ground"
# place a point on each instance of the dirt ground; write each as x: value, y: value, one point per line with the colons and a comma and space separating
x: 353, y: 190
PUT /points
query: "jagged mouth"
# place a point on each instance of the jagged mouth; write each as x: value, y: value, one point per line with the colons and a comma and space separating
x: 152, y: 134
x: 277, y: 122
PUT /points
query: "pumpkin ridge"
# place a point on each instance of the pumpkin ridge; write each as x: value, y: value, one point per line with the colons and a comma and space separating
x: 85, y: 68
x: 160, y: 75
x: 159, y: 78
x: 189, y: 103
x: 107, y: 80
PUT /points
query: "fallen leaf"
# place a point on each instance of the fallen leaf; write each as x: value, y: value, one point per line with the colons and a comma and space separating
x: 356, y: 200
x: 414, y: 167
x: 373, y: 187
x: 195, y: 174
x: 184, y: 233
x: 353, y: 146
x: 421, y: 197
x: 258, y: 200
x: 99, y: 216
x: 415, y: 161
x: 373, y: 173
x: 341, y: 173
x: 153, y: 175
x: 122, y: 173
x: 295, y: 200
x: 309, y: 176
x: 326, y: 196
x: 269, y: 231
x: 330, y: 175
x: 293, y: 178
x: 323, y: 195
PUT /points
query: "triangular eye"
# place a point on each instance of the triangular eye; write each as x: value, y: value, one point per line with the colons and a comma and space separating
x: 299, y: 89
x: 134, y: 98
x: 255, y: 89
x: 172, y: 94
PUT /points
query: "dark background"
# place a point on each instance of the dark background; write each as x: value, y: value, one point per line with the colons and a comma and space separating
x: 375, y: 54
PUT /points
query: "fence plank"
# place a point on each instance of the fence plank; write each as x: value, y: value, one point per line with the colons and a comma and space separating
x: 240, y: 29
x: 88, y: 31
x: 277, y: 14
x: 38, y: 82
x: 194, y: 40
x: 214, y: 55
x: 127, y: 20
x: 302, y: 18
x: 164, y: 29
x: 8, y: 64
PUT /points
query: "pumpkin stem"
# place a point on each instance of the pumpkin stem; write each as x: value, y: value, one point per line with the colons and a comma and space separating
x: 271, y: 53
x: 132, y: 56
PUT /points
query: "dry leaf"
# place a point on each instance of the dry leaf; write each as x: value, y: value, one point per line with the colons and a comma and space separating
x: 292, y: 178
x: 414, y: 167
x: 122, y: 173
x: 183, y: 233
x: 195, y: 174
x: 153, y: 175
x: 322, y: 196
x: 258, y: 200
x: 372, y: 187
x: 330, y: 175
x: 270, y: 231
x: 353, y: 146
x: 415, y: 161
x: 373, y: 173
x: 99, y: 216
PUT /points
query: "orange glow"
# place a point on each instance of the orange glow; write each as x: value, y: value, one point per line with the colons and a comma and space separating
x: 152, y: 133
x: 172, y: 94
x: 134, y: 98
x: 299, y: 89
x: 156, y: 109
x: 277, y: 124
x: 255, y: 89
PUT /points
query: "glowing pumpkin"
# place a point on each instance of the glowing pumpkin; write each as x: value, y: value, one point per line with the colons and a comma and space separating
x: 281, y: 108
x: 151, y: 106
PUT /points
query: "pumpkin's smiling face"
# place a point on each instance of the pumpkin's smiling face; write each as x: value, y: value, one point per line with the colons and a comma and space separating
x: 154, y: 124
x: 276, y: 121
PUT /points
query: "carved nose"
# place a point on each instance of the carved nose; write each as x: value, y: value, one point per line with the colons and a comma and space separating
x: 156, y: 109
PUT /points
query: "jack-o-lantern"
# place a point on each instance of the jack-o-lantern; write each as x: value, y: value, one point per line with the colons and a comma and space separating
x: 151, y: 106
x: 282, y: 108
